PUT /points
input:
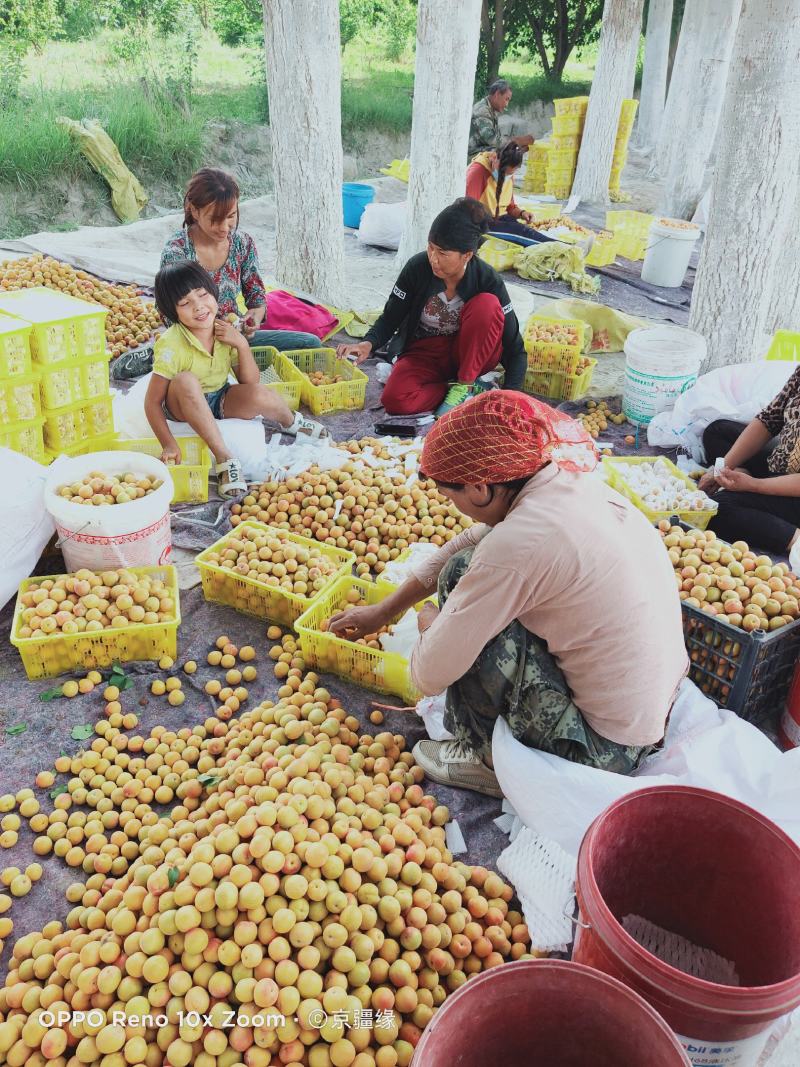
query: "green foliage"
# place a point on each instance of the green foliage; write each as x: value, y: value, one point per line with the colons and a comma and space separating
x: 552, y: 29
x: 31, y: 21
x: 398, y: 21
x: 12, y: 68
x: 354, y: 16
x: 238, y: 21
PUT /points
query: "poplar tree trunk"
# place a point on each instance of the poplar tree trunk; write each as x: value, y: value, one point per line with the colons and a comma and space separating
x: 654, y: 73
x: 621, y: 28
x: 695, y: 122
x: 754, y: 192
x: 304, y: 84
x: 696, y: 95
x: 447, y: 50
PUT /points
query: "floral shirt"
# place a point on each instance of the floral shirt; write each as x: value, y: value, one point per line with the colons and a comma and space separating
x: 238, y: 274
x: 782, y: 418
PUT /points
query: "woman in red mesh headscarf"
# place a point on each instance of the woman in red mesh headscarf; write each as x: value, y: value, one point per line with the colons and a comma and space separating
x: 558, y: 612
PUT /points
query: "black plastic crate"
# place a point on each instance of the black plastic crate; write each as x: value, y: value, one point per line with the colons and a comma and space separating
x: 749, y: 673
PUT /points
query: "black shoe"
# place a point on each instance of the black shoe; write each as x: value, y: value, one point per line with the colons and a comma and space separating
x: 133, y: 364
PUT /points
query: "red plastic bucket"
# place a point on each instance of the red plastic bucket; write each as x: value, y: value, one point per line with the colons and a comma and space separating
x: 711, y: 870
x: 533, y: 1013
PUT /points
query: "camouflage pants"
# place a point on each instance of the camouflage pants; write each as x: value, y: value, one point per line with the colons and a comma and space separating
x: 516, y: 677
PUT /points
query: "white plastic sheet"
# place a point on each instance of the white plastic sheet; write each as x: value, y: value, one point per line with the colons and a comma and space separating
x: 27, y: 526
x: 736, y: 392
x: 706, y: 746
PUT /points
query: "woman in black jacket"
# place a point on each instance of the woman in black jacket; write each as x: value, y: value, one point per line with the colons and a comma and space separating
x: 449, y: 319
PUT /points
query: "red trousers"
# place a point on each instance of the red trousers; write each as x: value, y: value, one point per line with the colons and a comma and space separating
x: 421, y: 375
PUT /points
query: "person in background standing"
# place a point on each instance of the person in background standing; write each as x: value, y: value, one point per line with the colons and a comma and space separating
x: 484, y: 131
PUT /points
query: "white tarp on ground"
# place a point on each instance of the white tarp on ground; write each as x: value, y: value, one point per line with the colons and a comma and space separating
x: 131, y: 253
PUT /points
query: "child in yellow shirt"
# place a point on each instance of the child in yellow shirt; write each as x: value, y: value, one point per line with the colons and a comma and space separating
x: 192, y: 362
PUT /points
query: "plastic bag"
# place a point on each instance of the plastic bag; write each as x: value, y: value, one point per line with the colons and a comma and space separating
x: 382, y: 225
x: 27, y: 526
x: 608, y: 328
x: 127, y: 195
x: 706, y: 746
x: 736, y: 392
x: 431, y: 711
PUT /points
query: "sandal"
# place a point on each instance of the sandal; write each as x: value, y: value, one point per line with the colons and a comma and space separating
x: 305, y: 427
x: 230, y: 482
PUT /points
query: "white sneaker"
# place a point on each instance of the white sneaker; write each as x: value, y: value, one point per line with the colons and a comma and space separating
x: 448, y: 763
x: 230, y: 482
x: 303, y: 426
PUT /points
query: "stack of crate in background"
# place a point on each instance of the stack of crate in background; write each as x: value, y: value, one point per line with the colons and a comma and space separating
x: 536, y: 168
x: 624, y: 129
x: 565, y: 143
x: 61, y: 400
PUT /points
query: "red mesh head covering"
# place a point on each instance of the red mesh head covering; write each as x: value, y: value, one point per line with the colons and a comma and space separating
x: 500, y: 436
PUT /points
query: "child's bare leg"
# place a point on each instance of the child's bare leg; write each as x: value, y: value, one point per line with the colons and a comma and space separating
x: 187, y: 403
x: 249, y: 401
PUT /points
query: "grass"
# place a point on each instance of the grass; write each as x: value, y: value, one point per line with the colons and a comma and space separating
x: 136, y: 103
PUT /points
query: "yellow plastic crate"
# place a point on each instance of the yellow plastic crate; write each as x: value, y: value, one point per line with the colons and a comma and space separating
x: 540, y: 212
x: 559, y: 386
x: 75, y: 380
x: 550, y: 356
x: 533, y: 184
x: 385, y: 672
x: 250, y: 597
x: 498, y: 253
x: 568, y: 125
x: 785, y: 345
x: 19, y: 399
x: 561, y: 189
x: 63, y: 327
x: 562, y: 159
x: 603, y: 250
x: 571, y: 105
x: 386, y: 587
x: 277, y: 372
x: 189, y: 477
x: 631, y: 229
x: 103, y: 443
x: 15, y: 347
x: 565, y: 142
x: 46, y: 657
x: 615, y: 468
x: 25, y: 437
x: 68, y: 426
x: 348, y: 395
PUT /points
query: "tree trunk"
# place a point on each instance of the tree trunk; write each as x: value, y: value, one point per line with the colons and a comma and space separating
x: 494, y: 32
x: 654, y: 75
x: 753, y: 194
x: 697, y: 87
x: 304, y: 84
x: 447, y: 50
x: 690, y: 137
x: 622, y: 24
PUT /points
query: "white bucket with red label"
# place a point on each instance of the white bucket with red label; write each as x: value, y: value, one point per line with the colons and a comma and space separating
x: 108, y: 536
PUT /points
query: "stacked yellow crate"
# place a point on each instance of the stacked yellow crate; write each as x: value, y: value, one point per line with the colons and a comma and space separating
x: 20, y: 406
x: 536, y: 168
x: 565, y: 142
x: 67, y: 347
x: 624, y: 130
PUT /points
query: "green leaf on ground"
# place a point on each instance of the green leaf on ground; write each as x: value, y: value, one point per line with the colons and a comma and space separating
x: 209, y: 779
x: 57, y: 791
x: 119, y: 678
x: 80, y: 733
x: 173, y: 875
x: 20, y: 728
x: 51, y: 694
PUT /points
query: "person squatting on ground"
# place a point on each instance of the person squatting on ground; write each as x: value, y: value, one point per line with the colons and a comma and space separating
x: 449, y: 321
x: 490, y: 179
x: 523, y: 629
x: 758, y: 490
x: 192, y: 363
x: 484, y: 130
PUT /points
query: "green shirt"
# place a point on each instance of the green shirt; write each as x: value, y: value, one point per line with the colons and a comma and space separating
x: 484, y: 130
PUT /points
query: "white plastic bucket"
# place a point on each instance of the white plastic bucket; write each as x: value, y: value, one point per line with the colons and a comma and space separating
x: 136, y: 534
x: 661, y: 362
x: 669, y: 250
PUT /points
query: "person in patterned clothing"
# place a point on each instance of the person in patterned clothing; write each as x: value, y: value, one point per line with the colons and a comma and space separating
x: 210, y: 235
x: 484, y: 131
x: 522, y: 631
x: 758, y: 489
